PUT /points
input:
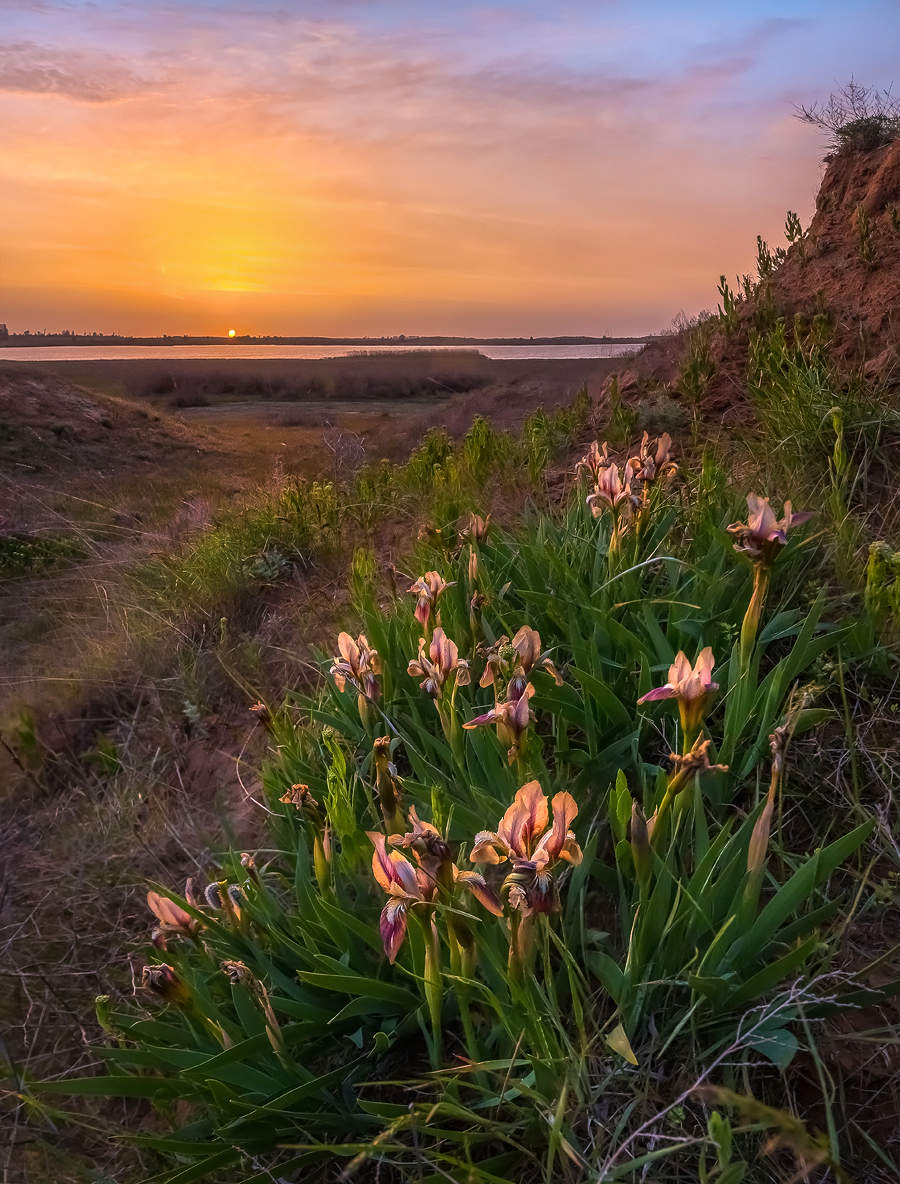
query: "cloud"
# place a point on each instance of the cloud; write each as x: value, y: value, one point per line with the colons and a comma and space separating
x: 85, y: 76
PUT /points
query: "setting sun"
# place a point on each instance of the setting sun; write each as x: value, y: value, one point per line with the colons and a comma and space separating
x: 232, y: 332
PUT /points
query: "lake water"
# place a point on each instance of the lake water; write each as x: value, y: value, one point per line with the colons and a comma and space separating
x: 106, y: 353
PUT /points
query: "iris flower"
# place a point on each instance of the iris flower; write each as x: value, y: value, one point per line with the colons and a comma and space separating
x: 690, y: 685
x: 512, y: 719
x: 649, y: 464
x: 440, y: 665
x: 533, y: 844
x: 173, y: 919
x: 513, y: 661
x: 409, y: 885
x: 357, y: 663
x: 476, y: 527
x: 594, y: 461
x: 612, y: 492
x: 427, y: 589
x: 763, y: 535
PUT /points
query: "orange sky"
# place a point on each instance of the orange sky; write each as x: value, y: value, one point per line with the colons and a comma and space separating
x: 381, y: 169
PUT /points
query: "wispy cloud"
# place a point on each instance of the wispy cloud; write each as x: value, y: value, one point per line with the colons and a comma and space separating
x: 85, y: 76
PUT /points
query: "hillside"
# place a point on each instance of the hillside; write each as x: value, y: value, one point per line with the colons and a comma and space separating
x: 845, y: 270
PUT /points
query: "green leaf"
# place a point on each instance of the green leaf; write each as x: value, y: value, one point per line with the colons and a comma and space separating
x: 355, y: 984
x: 776, y: 1044
x: 116, y: 1087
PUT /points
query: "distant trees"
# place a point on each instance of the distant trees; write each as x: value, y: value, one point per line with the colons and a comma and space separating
x: 4, y: 332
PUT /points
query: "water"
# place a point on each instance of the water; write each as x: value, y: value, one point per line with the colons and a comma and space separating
x: 106, y: 353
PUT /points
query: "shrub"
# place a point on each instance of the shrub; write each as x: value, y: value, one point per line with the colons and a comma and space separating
x: 855, y: 118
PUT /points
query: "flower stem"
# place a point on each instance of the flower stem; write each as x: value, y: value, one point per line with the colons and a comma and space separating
x: 753, y: 615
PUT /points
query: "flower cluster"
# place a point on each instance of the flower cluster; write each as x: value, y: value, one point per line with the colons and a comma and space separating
x: 533, y: 846
x: 615, y: 491
x: 430, y: 880
x: 526, y: 838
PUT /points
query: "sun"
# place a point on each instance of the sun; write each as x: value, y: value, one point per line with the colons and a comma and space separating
x: 232, y: 332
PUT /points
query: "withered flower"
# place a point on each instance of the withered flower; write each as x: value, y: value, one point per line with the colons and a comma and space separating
x: 533, y: 845
x: 262, y: 713
x: 300, y: 797
x: 173, y: 919
x: 691, y: 686
x: 440, y: 666
x: 239, y: 973
x: 763, y: 535
x: 427, y: 589
x: 162, y: 980
x: 512, y: 718
x: 387, y: 784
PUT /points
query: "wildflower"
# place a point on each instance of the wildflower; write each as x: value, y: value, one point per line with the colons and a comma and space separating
x: 300, y: 798
x: 162, y: 980
x: 239, y: 973
x: 511, y: 662
x: 476, y: 608
x: 357, y: 663
x: 763, y: 535
x: 476, y: 527
x: 427, y: 589
x: 527, y: 645
x: 440, y: 666
x: 612, y: 492
x: 427, y: 845
x: 648, y: 465
x: 173, y: 919
x: 533, y: 845
x: 472, y: 569
x: 475, y: 883
x: 682, y: 771
x: 594, y: 461
x: 409, y: 885
x: 691, y: 686
x: 405, y: 885
x: 512, y: 719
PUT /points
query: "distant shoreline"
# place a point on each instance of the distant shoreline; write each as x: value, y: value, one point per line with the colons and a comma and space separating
x: 34, y: 340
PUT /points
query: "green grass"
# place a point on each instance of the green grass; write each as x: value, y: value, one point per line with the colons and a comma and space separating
x: 25, y: 555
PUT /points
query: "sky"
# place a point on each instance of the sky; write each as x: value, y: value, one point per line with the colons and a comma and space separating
x: 368, y: 168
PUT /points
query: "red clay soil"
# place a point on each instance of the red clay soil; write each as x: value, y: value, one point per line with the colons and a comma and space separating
x: 862, y: 298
